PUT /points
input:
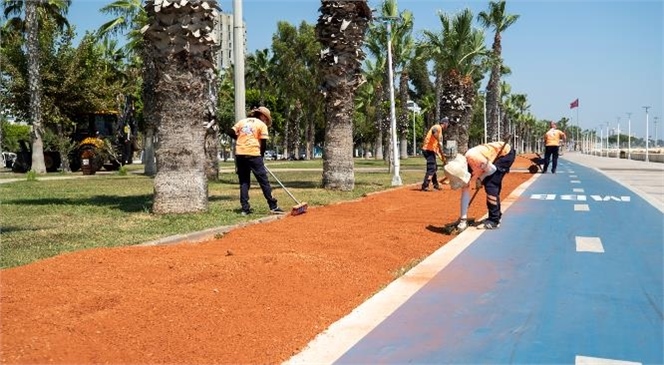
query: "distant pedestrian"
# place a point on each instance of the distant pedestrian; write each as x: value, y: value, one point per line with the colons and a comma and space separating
x: 432, y: 148
x: 251, y: 136
x: 487, y: 164
x: 553, y: 139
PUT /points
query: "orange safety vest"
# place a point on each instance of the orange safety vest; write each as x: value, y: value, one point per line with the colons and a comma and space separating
x: 249, y: 133
x: 432, y: 139
x: 478, y: 157
x: 553, y: 137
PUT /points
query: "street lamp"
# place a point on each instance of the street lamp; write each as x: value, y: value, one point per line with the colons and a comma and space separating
x: 629, y: 136
x: 412, y: 106
x: 618, y: 142
x: 647, y: 131
x: 238, y: 60
x: 396, y: 178
x: 484, y: 102
x: 656, y: 137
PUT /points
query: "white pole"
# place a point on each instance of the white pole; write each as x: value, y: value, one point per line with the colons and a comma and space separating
x: 601, y: 140
x: 656, y: 137
x: 629, y: 136
x: 618, y: 138
x: 238, y: 60
x: 414, y: 148
x: 396, y: 178
x: 647, y: 132
x: 485, y: 131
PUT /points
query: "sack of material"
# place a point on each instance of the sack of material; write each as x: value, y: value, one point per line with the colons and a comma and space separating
x: 457, y: 172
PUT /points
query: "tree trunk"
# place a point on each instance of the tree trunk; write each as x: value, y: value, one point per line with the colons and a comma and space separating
x: 151, y: 121
x: 179, y: 42
x: 492, y: 99
x: 338, y: 162
x: 180, y: 185
x: 148, y: 153
x: 34, y: 87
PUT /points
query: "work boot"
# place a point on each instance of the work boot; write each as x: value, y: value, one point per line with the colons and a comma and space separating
x: 437, y: 187
x: 463, y: 224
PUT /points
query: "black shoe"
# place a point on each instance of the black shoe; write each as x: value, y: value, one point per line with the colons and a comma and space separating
x: 437, y: 187
x: 277, y: 210
x: 424, y: 189
x: 246, y: 212
x: 489, y: 225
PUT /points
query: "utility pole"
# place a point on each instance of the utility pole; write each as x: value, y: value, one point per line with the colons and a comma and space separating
x: 238, y: 60
x: 647, y: 132
x: 396, y: 178
x: 629, y: 136
x: 618, y: 142
x: 656, y: 136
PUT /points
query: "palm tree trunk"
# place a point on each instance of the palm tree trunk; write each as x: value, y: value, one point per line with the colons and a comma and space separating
x: 492, y: 99
x: 34, y: 86
x: 149, y: 76
x: 180, y: 185
x: 338, y: 162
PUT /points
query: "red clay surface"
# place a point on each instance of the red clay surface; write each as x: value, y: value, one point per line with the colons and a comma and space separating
x: 257, y: 295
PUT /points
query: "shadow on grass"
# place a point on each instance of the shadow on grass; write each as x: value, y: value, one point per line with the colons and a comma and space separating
x: 128, y: 204
x: 11, y: 229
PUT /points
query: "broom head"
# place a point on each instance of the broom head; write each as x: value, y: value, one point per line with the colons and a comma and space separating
x: 300, y: 209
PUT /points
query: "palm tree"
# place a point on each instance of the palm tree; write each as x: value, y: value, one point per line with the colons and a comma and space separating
x: 130, y: 17
x: 258, y: 71
x: 179, y: 43
x: 461, y: 62
x: 341, y: 28
x: 497, y: 19
x: 35, y: 11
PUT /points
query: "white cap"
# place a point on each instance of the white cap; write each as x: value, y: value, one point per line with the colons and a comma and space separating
x: 457, y: 172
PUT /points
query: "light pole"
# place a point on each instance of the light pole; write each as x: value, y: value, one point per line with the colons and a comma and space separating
x: 601, y: 140
x: 396, y: 178
x: 238, y: 60
x: 412, y: 106
x: 656, y: 137
x: 484, y: 102
x: 629, y: 136
x: 618, y: 136
x: 647, y: 131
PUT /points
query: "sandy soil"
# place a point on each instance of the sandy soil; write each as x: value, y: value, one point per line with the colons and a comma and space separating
x: 258, y: 295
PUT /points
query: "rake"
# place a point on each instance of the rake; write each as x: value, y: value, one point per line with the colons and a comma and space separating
x: 300, y: 207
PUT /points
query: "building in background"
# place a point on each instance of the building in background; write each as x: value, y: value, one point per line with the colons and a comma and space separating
x: 223, y: 32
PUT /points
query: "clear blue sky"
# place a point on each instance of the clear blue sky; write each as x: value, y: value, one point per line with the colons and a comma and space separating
x: 608, y: 54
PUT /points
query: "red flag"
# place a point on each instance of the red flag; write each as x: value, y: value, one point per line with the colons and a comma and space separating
x: 574, y: 104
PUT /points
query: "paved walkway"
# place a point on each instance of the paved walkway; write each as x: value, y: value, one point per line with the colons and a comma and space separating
x: 573, y: 276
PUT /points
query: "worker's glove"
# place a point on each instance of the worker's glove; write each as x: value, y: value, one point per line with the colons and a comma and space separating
x: 463, y: 224
x: 478, y: 183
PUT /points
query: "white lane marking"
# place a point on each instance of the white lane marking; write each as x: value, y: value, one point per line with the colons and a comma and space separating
x: 543, y: 196
x: 599, y: 198
x: 587, y: 360
x: 578, y: 190
x: 575, y: 181
x: 589, y: 244
x: 581, y: 208
x: 572, y: 176
x: 579, y: 198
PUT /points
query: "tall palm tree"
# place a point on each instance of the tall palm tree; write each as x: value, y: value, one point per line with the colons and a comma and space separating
x: 461, y: 62
x: 35, y: 11
x: 179, y: 42
x: 341, y: 28
x: 497, y: 19
x: 258, y: 71
x: 130, y: 17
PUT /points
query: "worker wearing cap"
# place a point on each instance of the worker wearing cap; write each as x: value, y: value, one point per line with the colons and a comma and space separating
x: 552, y: 141
x: 251, y: 136
x: 431, y: 148
x: 487, y: 165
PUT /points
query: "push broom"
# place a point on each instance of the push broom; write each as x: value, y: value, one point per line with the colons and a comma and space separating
x: 298, y: 209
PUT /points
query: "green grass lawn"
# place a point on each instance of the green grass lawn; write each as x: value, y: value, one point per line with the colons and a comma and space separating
x: 46, y: 217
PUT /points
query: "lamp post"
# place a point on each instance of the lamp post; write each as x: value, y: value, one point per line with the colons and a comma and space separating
x: 656, y: 137
x: 618, y: 136
x: 238, y: 60
x: 412, y: 106
x: 396, y: 178
x: 629, y: 136
x: 647, y: 131
x: 484, y: 102
x: 601, y: 140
